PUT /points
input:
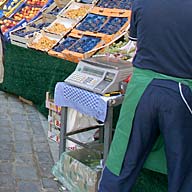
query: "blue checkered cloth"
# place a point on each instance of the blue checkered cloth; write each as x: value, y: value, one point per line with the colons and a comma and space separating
x: 85, y: 102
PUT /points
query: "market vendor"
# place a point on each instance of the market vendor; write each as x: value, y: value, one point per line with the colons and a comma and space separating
x: 158, y: 102
x: 1, y: 57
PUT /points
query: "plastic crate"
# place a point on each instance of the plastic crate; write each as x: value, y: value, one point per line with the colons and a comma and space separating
x: 38, y: 3
x: 27, y: 12
x: 79, y: 170
x: 6, y: 29
x: 2, y: 2
x: 10, y: 6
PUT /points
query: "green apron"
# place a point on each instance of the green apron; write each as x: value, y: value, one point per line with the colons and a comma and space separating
x: 156, y: 160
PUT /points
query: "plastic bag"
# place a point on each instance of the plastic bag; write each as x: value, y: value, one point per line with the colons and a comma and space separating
x: 76, y: 121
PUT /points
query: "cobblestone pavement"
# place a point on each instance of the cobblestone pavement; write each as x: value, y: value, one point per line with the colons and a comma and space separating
x: 26, y: 155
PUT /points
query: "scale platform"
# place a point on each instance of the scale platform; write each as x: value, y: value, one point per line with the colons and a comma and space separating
x: 100, y: 74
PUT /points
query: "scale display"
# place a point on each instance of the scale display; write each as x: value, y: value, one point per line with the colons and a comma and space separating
x: 100, y: 74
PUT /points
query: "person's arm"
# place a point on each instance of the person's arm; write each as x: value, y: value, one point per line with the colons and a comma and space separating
x: 133, y: 24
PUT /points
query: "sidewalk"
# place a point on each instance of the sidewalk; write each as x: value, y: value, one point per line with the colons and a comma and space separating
x: 26, y: 155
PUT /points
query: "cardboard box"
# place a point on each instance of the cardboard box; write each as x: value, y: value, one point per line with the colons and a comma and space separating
x: 53, y: 129
x: 54, y: 119
x: 107, y: 26
x: 91, y: 43
x: 57, y: 50
x: 70, y: 54
x: 50, y: 104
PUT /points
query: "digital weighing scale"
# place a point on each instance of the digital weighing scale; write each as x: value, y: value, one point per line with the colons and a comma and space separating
x: 100, y: 74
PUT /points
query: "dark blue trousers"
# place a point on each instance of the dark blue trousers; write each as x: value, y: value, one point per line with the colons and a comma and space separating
x: 161, y: 109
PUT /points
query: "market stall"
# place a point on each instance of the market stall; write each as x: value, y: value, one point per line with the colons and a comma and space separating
x: 23, y: 77
x: 51, y: 56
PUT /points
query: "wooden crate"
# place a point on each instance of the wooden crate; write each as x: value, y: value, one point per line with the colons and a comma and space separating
x: 60, y: 26
x: 76, y: 10
x: 40, y: 22
x: 62, y: 3
x: 52, y: 11
x: 43, y: 41
x: 21, y: 40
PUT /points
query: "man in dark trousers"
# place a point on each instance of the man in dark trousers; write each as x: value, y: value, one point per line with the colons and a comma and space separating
x: 158, y: 101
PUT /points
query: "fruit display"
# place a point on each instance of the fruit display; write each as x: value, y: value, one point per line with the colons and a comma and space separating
x: 21, y: 36
x: 36, y: 3
x: 84, y: 44
x: 43, y: 43
x: 11, y: 5
x: 55, y: 11
x: 57, y: 28
x: 23, y: 32
x: 26, y: 12
x: 7, y: 24
x: 92, y: 22
x: 65, y: 44
x: 123, y: 49
x: 108, y: 3
x: 60, y: 26
x: 123, y: 4
x: 75, y: 11
x: 113, y: 25
x: 39, y: 25
x: 2, y: 2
